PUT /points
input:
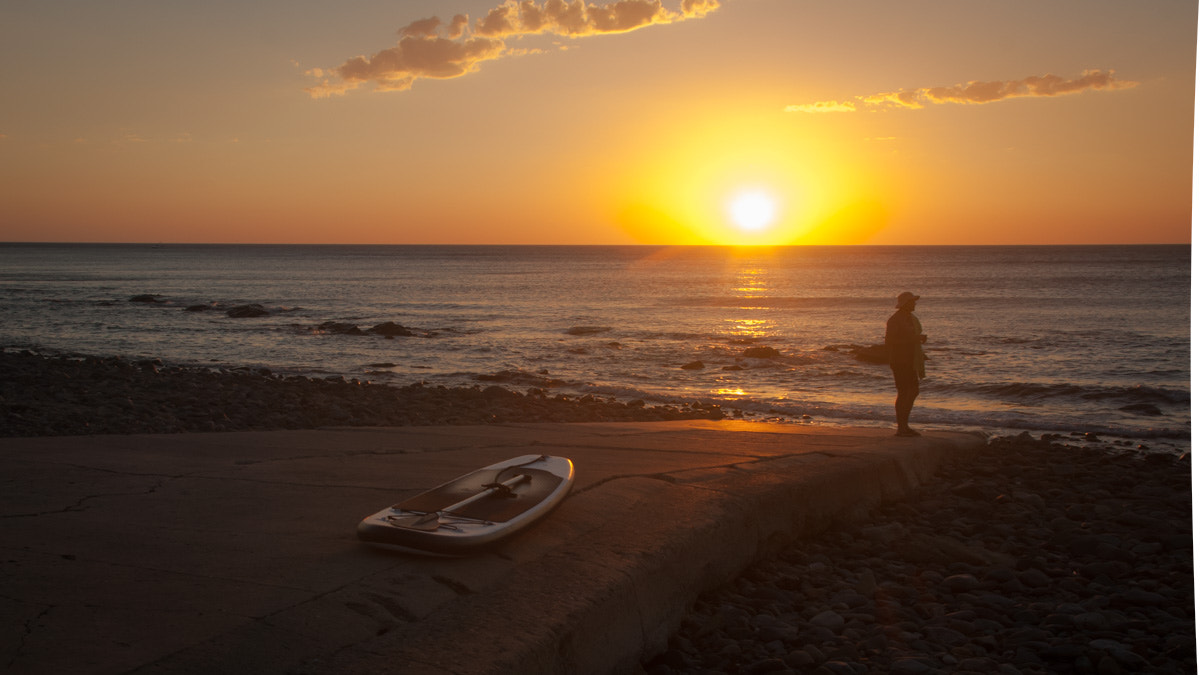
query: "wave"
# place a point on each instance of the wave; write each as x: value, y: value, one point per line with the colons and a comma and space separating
x: 776, y: 301
x: 857, y: 414
x: 521, y: 378
x: 588, y: 330
x: 1037, y: 391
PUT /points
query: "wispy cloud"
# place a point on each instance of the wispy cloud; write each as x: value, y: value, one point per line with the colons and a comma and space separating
x: 431, y: 49
x: 973, y: 93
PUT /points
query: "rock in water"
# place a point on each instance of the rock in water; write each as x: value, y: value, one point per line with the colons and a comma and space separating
x: 246, y: 311
x: 871, y: 354
x: 390, y: 329
x: 761, y: 352
x: 339, y: 328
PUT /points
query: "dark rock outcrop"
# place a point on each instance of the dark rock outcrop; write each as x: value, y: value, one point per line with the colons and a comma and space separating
x: 246, y: 311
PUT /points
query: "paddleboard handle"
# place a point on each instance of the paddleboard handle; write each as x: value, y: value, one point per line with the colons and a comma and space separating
x: 492, y: 488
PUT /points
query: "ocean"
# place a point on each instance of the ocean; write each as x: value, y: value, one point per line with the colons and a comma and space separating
x: 1045, y: 339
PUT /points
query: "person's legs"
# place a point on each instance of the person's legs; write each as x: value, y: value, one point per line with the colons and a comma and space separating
x: 907, y: 388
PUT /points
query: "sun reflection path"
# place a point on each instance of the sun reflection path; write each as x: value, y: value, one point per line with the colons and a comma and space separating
x: 747, y: 329
x: 747, y: 325
x: 750, y: 283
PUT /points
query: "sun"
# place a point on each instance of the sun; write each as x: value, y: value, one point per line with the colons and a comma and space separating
x: 752, y: 210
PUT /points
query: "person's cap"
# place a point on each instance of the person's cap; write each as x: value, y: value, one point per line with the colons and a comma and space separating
x: 905, y: 298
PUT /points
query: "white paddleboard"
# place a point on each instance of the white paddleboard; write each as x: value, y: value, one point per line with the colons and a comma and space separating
x: 473, y: 510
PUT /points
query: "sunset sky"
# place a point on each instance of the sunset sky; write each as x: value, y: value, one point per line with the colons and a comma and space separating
x: 637, y: 121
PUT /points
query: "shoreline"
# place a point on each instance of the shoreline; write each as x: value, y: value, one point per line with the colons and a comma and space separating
x: 68, y: 395
x: 1032, y: 556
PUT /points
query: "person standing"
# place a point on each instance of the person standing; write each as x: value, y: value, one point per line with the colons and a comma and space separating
x: 903, y: 339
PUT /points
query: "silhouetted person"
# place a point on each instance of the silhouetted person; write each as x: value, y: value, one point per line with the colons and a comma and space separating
x: 907, y: 359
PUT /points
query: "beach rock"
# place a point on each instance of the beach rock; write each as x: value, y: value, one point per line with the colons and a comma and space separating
x: 761, y: 352
x: 910, y: 666
x: 693, y: 365
x: 146, y: 298
x: 339, y: 328
x: 876, y: 354
x: 246, y: 311
x: 197, y: 308
x: 86, y: 396
x: 765, y: 666
x: 977, y: 584
x: 390, y: 329
x: 961, y: 583
x: 829, y: 620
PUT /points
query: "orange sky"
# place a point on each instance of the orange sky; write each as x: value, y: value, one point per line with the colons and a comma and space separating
x: 554, y: 122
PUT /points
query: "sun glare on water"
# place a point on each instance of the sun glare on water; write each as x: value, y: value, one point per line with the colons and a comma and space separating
x: 752, y: 210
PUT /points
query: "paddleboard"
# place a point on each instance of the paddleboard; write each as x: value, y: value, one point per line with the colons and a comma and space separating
x: 474, y: 510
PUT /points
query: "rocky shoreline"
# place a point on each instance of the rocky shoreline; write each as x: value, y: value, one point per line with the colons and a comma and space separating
x: 65, y: 395
x: 1031, y: 557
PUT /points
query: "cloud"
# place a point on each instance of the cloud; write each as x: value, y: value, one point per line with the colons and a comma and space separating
x: 421, y: 28
x: 973, y: 93
x: 427, y: 49
x: 821, y: 107
x: 698, y: 8
x: 458, y: 26
x: 573, y: 19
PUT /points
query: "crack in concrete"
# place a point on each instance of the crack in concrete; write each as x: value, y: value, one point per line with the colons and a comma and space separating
x: 26, y: 634
x: 459, y: 588
x: 380, y: 453
x: 148, y: 568
x: 391, y: 606
x: 668, y: 476
x: 77, y: 506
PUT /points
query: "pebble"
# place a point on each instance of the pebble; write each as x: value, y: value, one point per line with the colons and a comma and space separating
x: 1030, y: 557
x: 73, y: 395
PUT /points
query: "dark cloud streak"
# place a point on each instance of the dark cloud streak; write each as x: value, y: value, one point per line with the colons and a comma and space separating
x: 974, y: 93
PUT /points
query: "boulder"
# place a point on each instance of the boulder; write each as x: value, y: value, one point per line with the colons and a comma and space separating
x: 390, y: 329
x: 870, y: 354
x: 761, y: 352
x: 339, y: 328
x: 246, y: 311
x: 146, y: 297
x: 694, y: 365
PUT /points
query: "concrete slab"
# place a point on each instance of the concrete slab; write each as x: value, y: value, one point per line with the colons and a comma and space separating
x: 237, y: 552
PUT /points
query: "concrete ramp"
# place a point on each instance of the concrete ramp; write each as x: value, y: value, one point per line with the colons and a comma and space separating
x: 204, y: 553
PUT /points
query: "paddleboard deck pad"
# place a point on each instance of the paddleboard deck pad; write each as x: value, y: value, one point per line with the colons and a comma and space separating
x: 474, y: 510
